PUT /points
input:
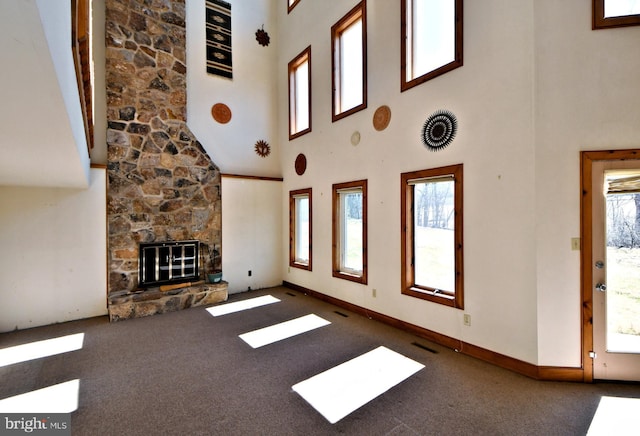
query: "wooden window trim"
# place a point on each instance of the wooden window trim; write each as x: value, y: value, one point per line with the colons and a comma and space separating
x: 358, y: 12
x: 81, y: 52
x: 292, y: 5
x: 304, y: 56
x: 600, y: 22
x: 292, y: 228
x: 408, y: 286
x: 404, y: 38
x: 362, y: 184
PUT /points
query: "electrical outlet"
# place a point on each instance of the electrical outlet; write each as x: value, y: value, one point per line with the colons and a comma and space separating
x: 467, y: 319
x: 373, y: 292
x: 249, y: 273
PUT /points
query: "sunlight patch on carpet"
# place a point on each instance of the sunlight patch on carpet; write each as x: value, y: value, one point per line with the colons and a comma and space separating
x: 60, y: 398
x: 616, y: 416
x: 39, y: 349
x: 239, y: 306
x: 284, y: 330
x: 343, y: 389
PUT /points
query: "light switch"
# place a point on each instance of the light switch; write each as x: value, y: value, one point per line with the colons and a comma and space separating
x: 575, y: 244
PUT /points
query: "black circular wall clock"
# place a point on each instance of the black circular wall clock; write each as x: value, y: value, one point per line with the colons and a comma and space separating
x: 439, y: 130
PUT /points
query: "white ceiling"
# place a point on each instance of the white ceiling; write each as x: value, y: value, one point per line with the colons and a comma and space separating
x: 41, y: 143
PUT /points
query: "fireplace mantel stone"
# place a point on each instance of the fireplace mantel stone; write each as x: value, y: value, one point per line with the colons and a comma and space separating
x: 152, y: 301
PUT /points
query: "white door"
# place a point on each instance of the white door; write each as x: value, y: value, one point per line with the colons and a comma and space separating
x: 616, y: 269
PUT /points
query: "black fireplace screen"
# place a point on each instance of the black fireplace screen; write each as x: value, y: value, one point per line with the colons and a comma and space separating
x: 168, y: 262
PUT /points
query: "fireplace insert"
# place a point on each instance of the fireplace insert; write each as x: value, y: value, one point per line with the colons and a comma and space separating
x: 168, y: 262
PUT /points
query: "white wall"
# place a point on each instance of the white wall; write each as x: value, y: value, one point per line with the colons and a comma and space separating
x: 43, y: 135
x: 587, y: 98
x: 537, y: 86
x: 251, y: 95
x: 492, y: 97
x: 251, y: 233
x: 53, y: 263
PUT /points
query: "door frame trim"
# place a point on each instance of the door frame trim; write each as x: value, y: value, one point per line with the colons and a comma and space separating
x: 586, y: 255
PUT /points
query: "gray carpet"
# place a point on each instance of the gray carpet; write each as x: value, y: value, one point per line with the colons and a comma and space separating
x: 188, y: 373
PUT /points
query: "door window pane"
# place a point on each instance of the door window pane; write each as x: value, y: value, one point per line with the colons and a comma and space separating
x: 623, y: 269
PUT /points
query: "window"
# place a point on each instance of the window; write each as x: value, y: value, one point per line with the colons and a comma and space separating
x: 349, y: 63
x: 300, y: 94
x: 432, y: 235
x: 291, y: 4
x: 300, y: 229
x: 350, y: 231
x: 431, y: 39
x: 615, y: 13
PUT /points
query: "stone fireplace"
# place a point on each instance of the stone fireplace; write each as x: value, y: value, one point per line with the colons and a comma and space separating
x: 162, y: 185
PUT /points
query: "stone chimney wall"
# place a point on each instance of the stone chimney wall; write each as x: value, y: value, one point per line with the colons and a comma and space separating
x: 162, y: 185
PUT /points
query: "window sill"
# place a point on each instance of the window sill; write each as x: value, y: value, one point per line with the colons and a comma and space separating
x: 353, y: 110
x: 405, y: 85
x: 301, y: 265
x: 351, y: 277
x: 293, y: 136
x: 434, y: 296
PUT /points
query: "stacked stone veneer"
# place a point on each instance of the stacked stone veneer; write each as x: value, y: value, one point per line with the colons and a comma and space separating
x: 162, y: 185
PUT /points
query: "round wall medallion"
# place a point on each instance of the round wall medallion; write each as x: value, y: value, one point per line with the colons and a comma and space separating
x: 381, y: 118
x: 301, y: 164
x: 221, y: 113
x: 262, y: 148
x: 355, y: 138
x: 439, y: 130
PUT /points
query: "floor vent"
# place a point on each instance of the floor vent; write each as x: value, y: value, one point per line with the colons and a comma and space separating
x: 342, y: 314
x: 424, y: 347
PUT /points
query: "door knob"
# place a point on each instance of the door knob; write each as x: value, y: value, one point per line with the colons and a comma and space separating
x: 601, y: 287
x: 599, y: 264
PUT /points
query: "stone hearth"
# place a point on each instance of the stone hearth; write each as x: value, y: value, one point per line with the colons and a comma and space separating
x: 126, y: 305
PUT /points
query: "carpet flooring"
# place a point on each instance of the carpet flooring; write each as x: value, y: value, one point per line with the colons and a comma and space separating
x: 189, y: 373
